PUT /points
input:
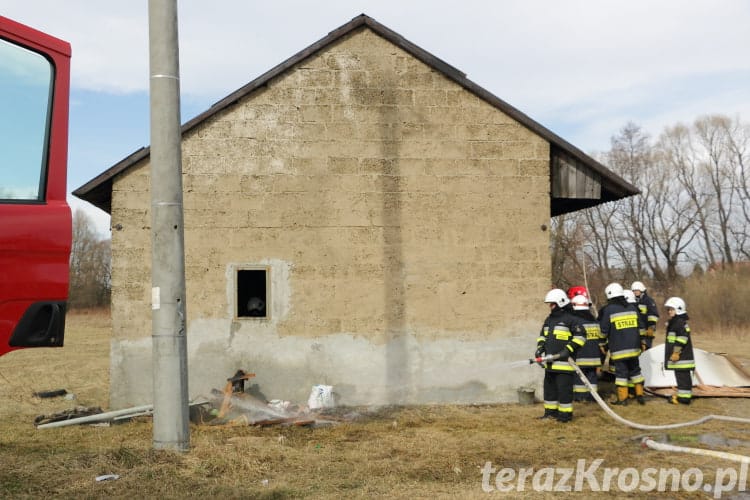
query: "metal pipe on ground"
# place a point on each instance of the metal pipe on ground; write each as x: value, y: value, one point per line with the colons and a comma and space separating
x: 100, y: 417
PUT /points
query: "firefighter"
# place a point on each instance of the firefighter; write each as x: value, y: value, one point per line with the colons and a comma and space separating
x: 633, y: 304
x: 648, y: 311
x: 577, y: 290
x: 678, y: 351
x: 588, y: 357
x: 620, y: 335
x: 562, y: 335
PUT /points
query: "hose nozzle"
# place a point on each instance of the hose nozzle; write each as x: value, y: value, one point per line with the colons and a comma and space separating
x: 544, y: 359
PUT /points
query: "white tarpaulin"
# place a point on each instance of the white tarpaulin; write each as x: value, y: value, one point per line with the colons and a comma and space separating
x: 711, y: 370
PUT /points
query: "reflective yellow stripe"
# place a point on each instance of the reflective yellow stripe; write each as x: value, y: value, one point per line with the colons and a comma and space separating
x: 625, y: 319
x: 687, y: 364
x: 562, y: 366
x: 625, y: 353
x: 589, y: 362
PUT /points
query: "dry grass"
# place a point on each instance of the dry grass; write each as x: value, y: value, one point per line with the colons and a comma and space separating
x: 716, y: 300
x: 418, y: 452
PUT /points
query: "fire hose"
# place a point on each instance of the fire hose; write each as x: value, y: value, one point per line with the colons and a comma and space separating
x: 650, y: 443
x: 647, y: 441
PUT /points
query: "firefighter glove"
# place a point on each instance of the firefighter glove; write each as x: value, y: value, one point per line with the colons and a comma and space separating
x: 675, y: 356
x: 643, y: 346
x: 650, y: 331
x: 564, y: 354
x: 539, y: 352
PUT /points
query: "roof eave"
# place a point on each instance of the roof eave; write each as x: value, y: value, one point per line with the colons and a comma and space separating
x: 92, y: 190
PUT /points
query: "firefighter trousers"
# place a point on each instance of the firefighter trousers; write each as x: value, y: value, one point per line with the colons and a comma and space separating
x: 628, y: 371
x: 558, y: 391
x: 684, y: 386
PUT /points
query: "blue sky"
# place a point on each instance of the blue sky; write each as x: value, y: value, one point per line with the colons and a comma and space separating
x: 582, y: 68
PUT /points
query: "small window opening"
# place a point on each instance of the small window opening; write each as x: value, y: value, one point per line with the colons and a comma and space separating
x: 252, y: 298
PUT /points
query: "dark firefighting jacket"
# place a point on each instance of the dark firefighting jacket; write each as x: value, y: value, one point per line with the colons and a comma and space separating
x: 589, y: 355
x: 620, y: 332
x: 648, y: 311
x: 641, y: 322
x: 678, y: 337
x: 561, y: 331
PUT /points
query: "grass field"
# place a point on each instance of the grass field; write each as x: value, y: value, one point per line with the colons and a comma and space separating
x: 411, y: 452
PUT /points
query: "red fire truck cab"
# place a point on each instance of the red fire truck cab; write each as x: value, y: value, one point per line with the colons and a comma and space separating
x: 35, y: 220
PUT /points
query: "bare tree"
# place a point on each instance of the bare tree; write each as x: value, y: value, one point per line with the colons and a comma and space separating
x: 672, y: 229
x: 90, y: 264
x: 650, y: 232
x: 679, y: 156
x: 693, y: 211
x: 710, y: 162
x: 637, y: 237
x: 631, y: 157
x: 738, y: 157
x: 712, y: 133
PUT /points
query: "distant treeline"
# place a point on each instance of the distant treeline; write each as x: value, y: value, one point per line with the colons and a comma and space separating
x: 686, y: 234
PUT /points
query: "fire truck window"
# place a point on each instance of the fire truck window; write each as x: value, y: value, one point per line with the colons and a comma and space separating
x: 26, y: 80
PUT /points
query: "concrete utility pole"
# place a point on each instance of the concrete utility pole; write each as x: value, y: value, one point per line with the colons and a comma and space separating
x: 171, y: 430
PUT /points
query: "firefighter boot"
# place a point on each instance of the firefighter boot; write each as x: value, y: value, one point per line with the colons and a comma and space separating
x: 622, y: 396
x: 639, y: 394
x: 564, y: 416
x: 549, y: 413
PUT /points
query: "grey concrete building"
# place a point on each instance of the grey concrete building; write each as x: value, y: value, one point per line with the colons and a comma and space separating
x: 361, y: 215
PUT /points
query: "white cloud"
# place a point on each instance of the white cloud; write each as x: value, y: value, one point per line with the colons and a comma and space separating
x: 583, y: 68
x: 545, y: 57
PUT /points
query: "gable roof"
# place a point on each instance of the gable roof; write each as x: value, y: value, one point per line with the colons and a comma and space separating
x: 565, y: 158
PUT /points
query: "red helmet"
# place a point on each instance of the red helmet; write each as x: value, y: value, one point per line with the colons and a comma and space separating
x: 577, y: 290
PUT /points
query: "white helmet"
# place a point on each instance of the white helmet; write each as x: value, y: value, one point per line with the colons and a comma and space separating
x: 557, y: 296
x: 580, y: 303
x: 613, y: 290
x: 677, y: 304
x: 629, y: 296
x: 639, y: 286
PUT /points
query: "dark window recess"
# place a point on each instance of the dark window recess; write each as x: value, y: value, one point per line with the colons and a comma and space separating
x: 251, y: 293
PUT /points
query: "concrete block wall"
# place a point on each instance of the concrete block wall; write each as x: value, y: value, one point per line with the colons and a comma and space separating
x: 400, y: 218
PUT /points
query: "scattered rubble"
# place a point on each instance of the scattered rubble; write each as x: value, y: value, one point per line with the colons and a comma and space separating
x: 65, y: 415
x: 231, y: 406
x: 235, y: 406
x: 107, y: 477
x: 51, y: 394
